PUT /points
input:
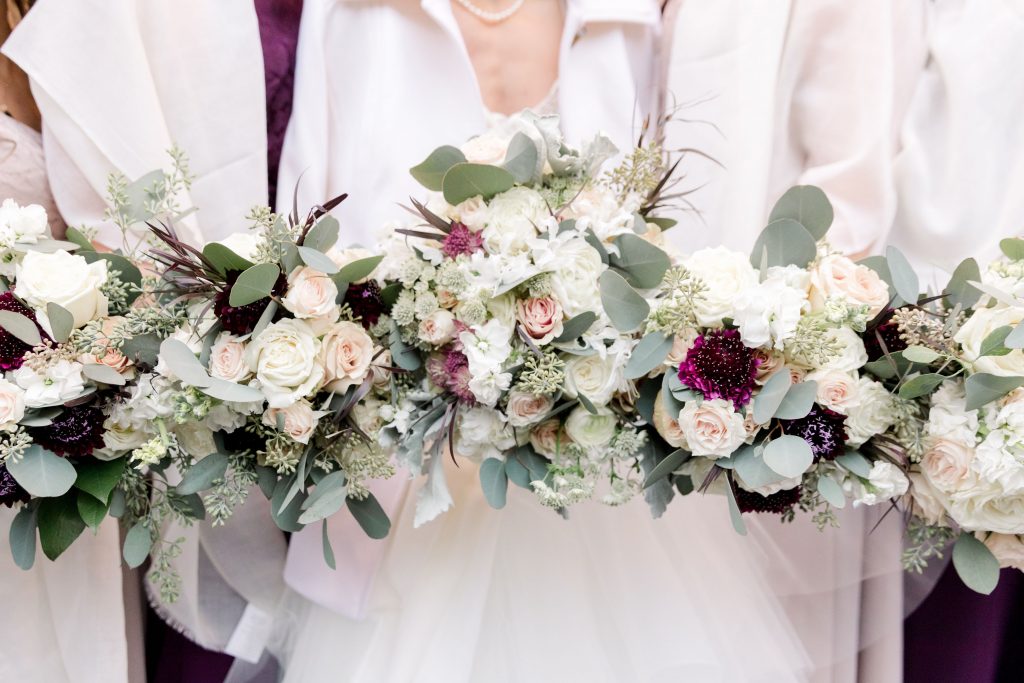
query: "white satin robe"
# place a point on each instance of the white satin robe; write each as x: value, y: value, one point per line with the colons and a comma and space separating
x: 118, y: 83
x: 781, y: 93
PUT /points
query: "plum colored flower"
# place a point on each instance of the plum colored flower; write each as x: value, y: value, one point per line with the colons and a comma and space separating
x: 457, y: 376
x: 890, y: 334
x: 461, y: 241
x: 10, y: 491
x: 823, y: 429
x: 719, y: 366
x: 366, y: 302
x: 241, y: 320
x: 75, y: 432
x: 777, y: 503
x: 12, y: 349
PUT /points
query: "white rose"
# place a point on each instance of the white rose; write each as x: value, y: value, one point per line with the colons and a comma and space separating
x: 120, y: 437
x: 836, y: 276
x: 767, y: 313
x: 284, y: 358
x: 227, y: 358
x: 438, y: 328
x: 988, y: 509
x: 595, y: 377
x: 771, y: 488
x: 512, y: 218
x: 298, y: 420
x: 948, y: 417
x: 589, y: 430
x: 482, y: 433
x: 12, y: 405
x: 524, y: 409
x: 852, y: 355
x: 244, y: 244
x: 60, y: 382
x: 26, y: 224
x: 345, y: 353
x: 574, y: 277
x: 885, y: 481
x: 666, y: 425
x: 311, y: 294
x: 726, y: 273
x: 712, y: 429
x: 947, y: 465
x: 837, y: 390
x: 872, y: 415
x: 489, y: 148
x: 980, y: 325
x: 1007, y: 548
x: 64, y: 279
x: 926, y: 502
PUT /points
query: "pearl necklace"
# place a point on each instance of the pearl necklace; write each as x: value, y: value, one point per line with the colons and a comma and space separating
x: 492, y: 17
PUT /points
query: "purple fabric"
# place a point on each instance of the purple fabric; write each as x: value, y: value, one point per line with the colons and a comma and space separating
x: 958, y: 635
x: 174, y: 658
x: 279, y: 33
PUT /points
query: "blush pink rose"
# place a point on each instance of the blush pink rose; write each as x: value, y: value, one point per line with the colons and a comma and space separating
x: 541, y: 318
x: 346, y: 353
x: 836, y: 276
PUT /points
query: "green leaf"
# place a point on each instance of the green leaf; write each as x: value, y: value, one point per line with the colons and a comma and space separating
x: 1015, y: 340
x: 575, y: 327
x: 975, y: 564
x: 831, y: 491
x: 21, y: 327
x: 752, y: 469
x: 323, y: 235
x: 104, y: 374
x: 137, y: 544
x: 587, y: 404
x: 494, y: 482
x: 371, y: 516
x: 784, y: 242
x: 223, y: 259
x: 798, y: 401
x: 648, y: 354
x: 43, y: 473
x: 788, y: 455
x: 325, y: 539
x: 920, y: 354
x: 430, y: 172
x: 203, y: 473
x: 61, y: 322
x: 91, y: 510
x: 663, y: 223
x: 983, y: 388
x: 286, y: 516
x: 960, y: 291
x: 75, y: 235
x: 117, y: 504
x: 808, y: 206
x: 904, y: 279
x: 667, y: 466
x: 232, y: 391
x: 624, y: 306
x: 921, y: 385
x: 994, y: 343
x: 855, y: 463
x: 142, y: 349
x: 99, y: 477
x: 358, y: 270
x: 521, y: 160
x: 190, y: 506
x: 23, y: 537
x: 327, y: 498
x: 517, y: 472
x: 183, y: 363
x: 734, y: 512
x: 643, y: 264
x: 594, y: 241
x: 403, y: 355
x: 59, y: 524
x: 254, y: 284
x: 767, y: 402
x: 1013, y: 247
x: 464, y: 181
x: 317, y: 260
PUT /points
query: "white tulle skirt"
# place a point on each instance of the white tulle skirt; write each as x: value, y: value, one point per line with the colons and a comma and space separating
x: 524, y: 595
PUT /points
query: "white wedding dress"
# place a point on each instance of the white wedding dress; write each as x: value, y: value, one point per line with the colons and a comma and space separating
x: 518, y: 594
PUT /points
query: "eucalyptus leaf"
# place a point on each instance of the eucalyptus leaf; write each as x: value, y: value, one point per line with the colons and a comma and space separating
x: 137, y: 544
x: 464, y: 181
x: 994, y: 343
x: 224, y: 259
x: 624, y: 306
x: 323, y: 235
x: 317, y: 260
x: 203, y: 473
x: 788, y: 455
x: 59, y: 524
x: 90, y: 510
x: 232, y: 392
x: 920, y: 354
x: 403, y: 355
x: 808, y: 206
x: 855, y: 463
x: 649, y: 354
x: 517, y: 473
x: 594, y: 241
x: 370, y: 516
x: 494, y: 482
x: 672, y: 404
x: 983, y: 388
x: 575, y: 327
x: 98, y: 478
x: 325, y: 541
x: 327, y: 498
x: 734, y: 512
x: 960, y: 291
x: 43, y: 473
x: 663, y: 223
x: 129, y: 272
x: 587, y: 404
x: 921, y: 385
x: 752, y: 469
x: 975, y: 564
x: 904, y: 279
x: 831, y: 491
x: 1013, y: 247
x: 782, y: 243
x: 75, y: 235
x: 798, y: 401
x: 767, y: 402
x: 22, y: 537
x: 183, y: 363
x: 358, y: 270
x: 430, y: 172
x: 669, y: 464
x: 660, y: 493
x: 104, y: 374
x: 142, y: 349
x: 61, y: 322
x: 522, y: 160
x: 286, y: 505
x: 21, y: 327
x: 643, y: 264
x: 254, y: 284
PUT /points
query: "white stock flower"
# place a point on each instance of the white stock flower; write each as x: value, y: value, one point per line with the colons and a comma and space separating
x: 513, y: 218
x: 591, y: 431
x: 482, y: 433
x: 486, y: 346
x: 713, y: 429
x: 767, y: 313
x: 1000, y: 462
x: 949, y: 418
x: 60, y: 382
x: 22, y: 224
x: 284, y: 358
x: 726, y: 273
x: 489, y: 386
x: 63, y: 279
x: 872, y: 415
x: 885, y: 481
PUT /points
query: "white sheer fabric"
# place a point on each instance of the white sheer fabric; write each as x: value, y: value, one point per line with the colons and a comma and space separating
x: 803, y: 92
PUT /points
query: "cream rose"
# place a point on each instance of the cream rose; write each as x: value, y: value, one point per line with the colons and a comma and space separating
x: 836, y: 390
x: 712, y: 429
x: 63, y: 279
x: 438, y: 328
x: 549, y: 438
x: 227, y: 358
x: 525, y: 409
x: 486, y: 149
x: 666, y: 425
x: 541, y: 318
x: 925, y: 501
x: 681, y: 345
x: 311, y: 294
x: 346, y: 354
x: 836, y: 276
x: 589, y: 430
x: 12, y: 405
x: 595, y: 377
x: 982, y: 323
x: 298, y: 420
x: 343, y: 257
x: 770, y: 362
x: 284, y: 358
x: 947, y: 465
x: 1007, y: 548
x: 726, y: 273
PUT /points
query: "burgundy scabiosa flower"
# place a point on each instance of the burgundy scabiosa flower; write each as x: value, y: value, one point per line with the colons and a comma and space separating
x: 890, y: 334
x: 823, y: 429
x: 75, y: 432
x: 366, y: 302
x: 777, y: 503
x: 457, y: 376
x: 461, y: 240
x: 242, y: 319
x: 12, y: 349
x: 718, y: 365
x: 10, y: 490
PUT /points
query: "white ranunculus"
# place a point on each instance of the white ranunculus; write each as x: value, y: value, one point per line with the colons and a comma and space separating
x: 512, y: 220
x: 713, y: 429
x: 873, y: 414
x: 298, y: 420
x: 120, y: 437
x: 472, y: 213
x: 227, y: 358
x: 310, y: 294
x: 947, y: 465
x: 980, y: 325
x: 12, y: 405
x: 574, y: 277
x: 524, y: 409
x: 838, y: 391
x: 589, y: 430
x: 852, y: 355
x: 64, y: 279
x: 767, y: 313
x: 284, y: 358
x: 346, y: 352
x: 1007, y: 548
x: 22, y: 224
x: 836, y: 276
x: 595, y: 377
x: 726, y: 273
x: 885, y: 481
x: 488, y: 387
x: 60, y: 382
x: 244, y: 244
x: 482, y: 433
